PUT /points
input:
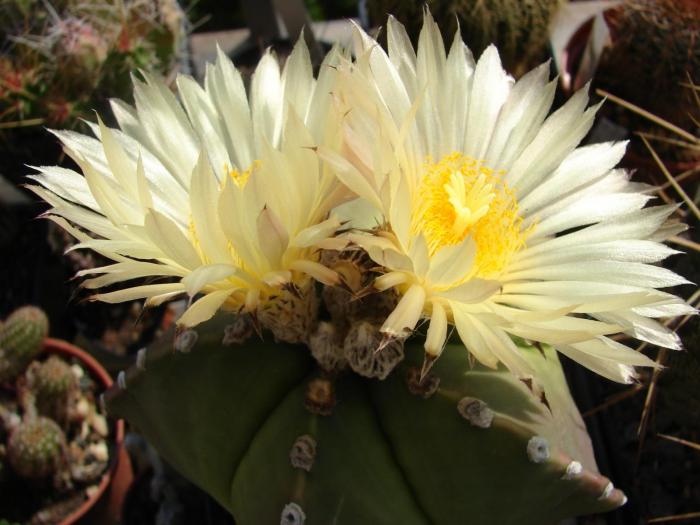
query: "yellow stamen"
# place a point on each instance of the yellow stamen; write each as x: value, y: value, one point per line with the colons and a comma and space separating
x: 457, y: 197
x: 195, y: 240
x: 241, y: 177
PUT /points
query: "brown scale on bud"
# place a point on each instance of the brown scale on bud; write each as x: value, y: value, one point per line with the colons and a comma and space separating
x: 239, y: 331
x: 327, y: 347
x: 368, y: 354
x: 352, y: 264
x: 292, y: 314
x: 303, y: 453
x: 356, y: 299
x: 320, y: 396
x: 424, y: 388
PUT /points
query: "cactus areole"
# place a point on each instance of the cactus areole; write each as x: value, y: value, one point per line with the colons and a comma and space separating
x: 243, y: 422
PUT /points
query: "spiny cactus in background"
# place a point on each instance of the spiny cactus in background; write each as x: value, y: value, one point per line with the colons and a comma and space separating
x: 275, y: 441
x: 21, y: 338
x: 519, y: 28
x: 63, y: 60
x: 655, y: 43
x: 54, y: 384
x: 36, y: 448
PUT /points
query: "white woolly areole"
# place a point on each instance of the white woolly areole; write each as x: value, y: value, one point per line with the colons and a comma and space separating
x: 538, y: 449
x: 573, y: 470
x: 292, y: 514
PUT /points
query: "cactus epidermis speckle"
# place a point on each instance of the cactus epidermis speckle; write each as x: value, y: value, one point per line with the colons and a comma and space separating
x: 21, y: 337
x: 238, y: 331
x: 573, y: 470
x: 538, y: 449
x: 292, y: 514
x: 185, y: 341
x: 303, y: 452
x: 35, y: 448
x: 475, y: 411
x: 320, y: 396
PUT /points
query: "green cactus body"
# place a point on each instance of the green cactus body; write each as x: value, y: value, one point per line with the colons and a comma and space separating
x: 35, y: 448
x: 53, y: 382
x: 21, y: 338
x: 465, y: 445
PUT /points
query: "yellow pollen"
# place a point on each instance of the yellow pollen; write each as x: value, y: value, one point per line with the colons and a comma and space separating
x: 195, y: 239
x: 241, y: 177
x: 457, y: 197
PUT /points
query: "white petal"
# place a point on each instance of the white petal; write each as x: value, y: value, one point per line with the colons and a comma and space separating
x: 205, y: 275
x: 204, y: 309
x: 451, y: 264
x: 490, y: 88
x: 316, y: 270
x: 266, y: 101
x: 607, y: 368
x: 470, y: 336
x: 472, y: 291
x: 405, y: 316
x: 272, y: 236
x: 631, y: 274
x: 138, y: 292
x: 169, y: 238
x: 437, y: 330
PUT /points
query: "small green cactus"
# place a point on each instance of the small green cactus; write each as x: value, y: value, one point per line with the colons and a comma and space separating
x: 35, y: 449
x: 53, y: 383
x: 275, y: 440
x: 21, y: 338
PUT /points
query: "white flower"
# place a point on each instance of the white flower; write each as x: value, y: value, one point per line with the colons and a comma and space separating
x: 223, y: 196
x: 494, y: 220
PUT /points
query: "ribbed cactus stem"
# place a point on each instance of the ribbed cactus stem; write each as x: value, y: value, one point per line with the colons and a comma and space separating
x: 35, y: 448
x: 21, y: 338
x: 53, y: 383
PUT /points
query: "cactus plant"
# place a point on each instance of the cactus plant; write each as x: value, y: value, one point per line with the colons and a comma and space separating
x: 36, y: 447
x: 489, y: 247
x: 233, y: 419
x: 21, y: 337
x: 53, y: 438
x: 53, y: 383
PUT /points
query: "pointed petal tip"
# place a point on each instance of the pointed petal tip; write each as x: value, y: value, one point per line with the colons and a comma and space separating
x: 428, y: 362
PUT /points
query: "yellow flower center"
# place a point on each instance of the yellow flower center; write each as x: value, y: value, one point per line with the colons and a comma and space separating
x: 458, y: 196
x: 241, y: 177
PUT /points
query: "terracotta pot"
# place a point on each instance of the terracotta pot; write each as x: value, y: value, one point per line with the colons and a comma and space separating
x: 106, y: 502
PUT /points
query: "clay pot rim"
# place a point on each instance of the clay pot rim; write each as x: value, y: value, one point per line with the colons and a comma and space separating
x: 97, y: 371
